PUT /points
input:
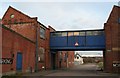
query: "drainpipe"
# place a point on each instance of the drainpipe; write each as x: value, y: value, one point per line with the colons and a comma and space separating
x: 67, y: 60
x: 36, y: 52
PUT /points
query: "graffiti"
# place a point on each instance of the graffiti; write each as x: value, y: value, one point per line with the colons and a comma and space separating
x: 116, y: 63
x: 6, y: 60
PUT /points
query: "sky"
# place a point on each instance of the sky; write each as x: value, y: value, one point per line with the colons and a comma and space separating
x: 65, y: 14
x: 90, y: 53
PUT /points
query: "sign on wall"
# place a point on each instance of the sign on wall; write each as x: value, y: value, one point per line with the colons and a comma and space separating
x: 116, y: 63
x: 6, y: 60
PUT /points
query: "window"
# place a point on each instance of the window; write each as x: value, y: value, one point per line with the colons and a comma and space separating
x: 98, y: 32
x: 118, y: 20
x: 41, y: 54
x: 89, y: 33
x: 64, y: 33
x: 76, y: 33
x: 70, y: 33
x: 58, y: 34
x: 12, y: 16
x: 42, y: 33
x: 95, y: 33
x: 82, y: 33
x: 53, y: 34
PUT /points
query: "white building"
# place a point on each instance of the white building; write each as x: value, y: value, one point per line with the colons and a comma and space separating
x: 78, y: 59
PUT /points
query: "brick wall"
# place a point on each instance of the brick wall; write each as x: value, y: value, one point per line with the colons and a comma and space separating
x: 71, y: 59
x: 12, y: 43
x: 112, y: 32
x: 21, y: 23
x: 65, y: 62
x: 27, y: 26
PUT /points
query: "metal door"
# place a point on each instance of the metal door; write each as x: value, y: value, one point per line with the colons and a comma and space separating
x: 19, y: 61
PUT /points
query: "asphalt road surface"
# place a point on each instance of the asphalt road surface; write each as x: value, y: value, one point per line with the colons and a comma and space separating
x: 81, y: 70
x: 78, y: 71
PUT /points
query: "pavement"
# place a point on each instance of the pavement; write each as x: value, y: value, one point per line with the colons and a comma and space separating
x: 81, y: 71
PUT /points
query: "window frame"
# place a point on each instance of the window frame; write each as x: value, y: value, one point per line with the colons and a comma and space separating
x: 41, y: 55
x: 119, y: 20
x: 42, y: 32
x: 70, y: 33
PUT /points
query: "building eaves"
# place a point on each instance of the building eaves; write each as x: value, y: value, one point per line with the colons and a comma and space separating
x: 42, y: 24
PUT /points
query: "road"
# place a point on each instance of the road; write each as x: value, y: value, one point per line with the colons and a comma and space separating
x: 81, y: 71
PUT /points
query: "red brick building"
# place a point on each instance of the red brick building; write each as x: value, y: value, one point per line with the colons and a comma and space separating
x: 14, y: 46
x: 71, y: 59
x: 33, y: 31
x: 112, y: 31
x: 25, y: 35
x: 67, y: 59
x: 64, y: 59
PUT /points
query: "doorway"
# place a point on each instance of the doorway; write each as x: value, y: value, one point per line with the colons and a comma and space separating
x: 19, y: 61
x: 53, y: 61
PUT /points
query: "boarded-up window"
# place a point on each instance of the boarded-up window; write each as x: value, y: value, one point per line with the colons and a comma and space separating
x: 41, y: 54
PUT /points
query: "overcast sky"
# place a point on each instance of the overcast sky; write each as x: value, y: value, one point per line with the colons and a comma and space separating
x: 65, y: 15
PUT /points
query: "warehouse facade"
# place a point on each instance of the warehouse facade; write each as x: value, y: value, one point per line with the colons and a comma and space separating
x: 112, y: 31
x: 17, y: 52
x: 36, y: 32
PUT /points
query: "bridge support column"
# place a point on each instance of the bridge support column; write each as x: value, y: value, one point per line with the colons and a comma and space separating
x: 112, y: 53
x: 108, y: 59
x: 104, y: 60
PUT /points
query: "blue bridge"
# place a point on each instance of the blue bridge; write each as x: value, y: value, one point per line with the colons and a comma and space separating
x: 77, y: 40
